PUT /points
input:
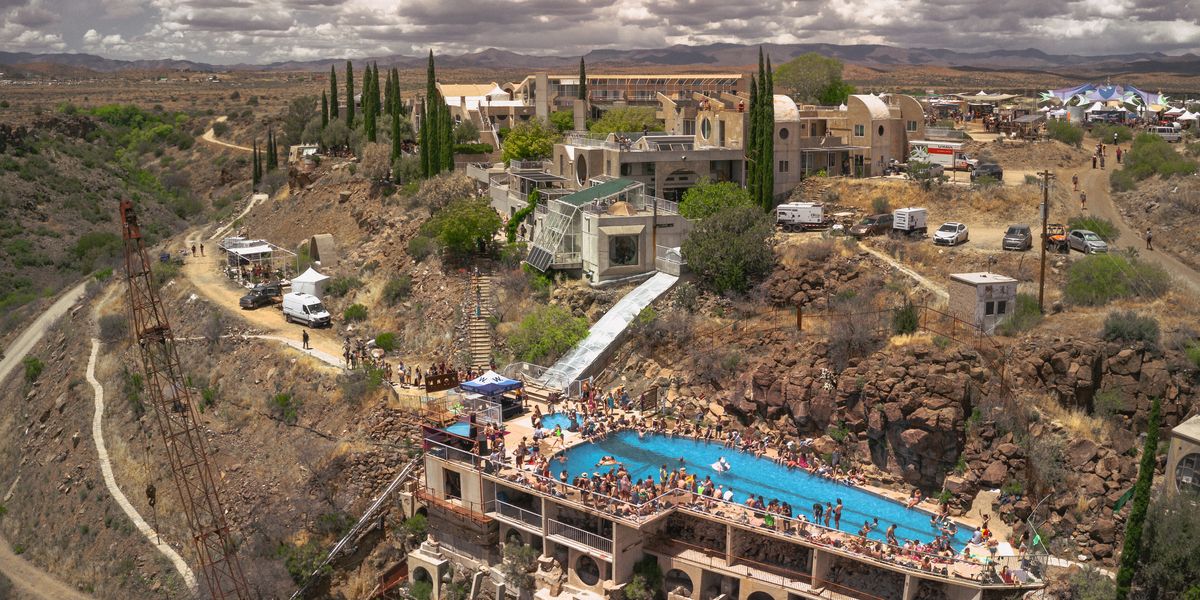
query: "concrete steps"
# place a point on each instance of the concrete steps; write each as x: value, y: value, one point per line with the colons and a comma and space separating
x: 479, y: 331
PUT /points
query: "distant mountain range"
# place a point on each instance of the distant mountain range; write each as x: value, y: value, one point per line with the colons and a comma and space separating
x: 708, y: 57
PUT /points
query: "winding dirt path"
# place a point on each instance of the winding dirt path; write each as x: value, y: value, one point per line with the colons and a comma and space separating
x: 211, y: 137
x: 110, y: 480
x: 29, y: 580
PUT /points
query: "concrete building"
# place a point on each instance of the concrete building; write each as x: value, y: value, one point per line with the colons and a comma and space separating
x: 549, y: 93
x: 982, y: 299
x: 1183, y: 458
x: 881, y: 125
x: 611, y: 229
x: 589, y: 544
x: 488, y: 106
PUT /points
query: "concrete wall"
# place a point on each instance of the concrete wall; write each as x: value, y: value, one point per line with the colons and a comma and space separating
x: 1178, y: 449
x: 595, y: 242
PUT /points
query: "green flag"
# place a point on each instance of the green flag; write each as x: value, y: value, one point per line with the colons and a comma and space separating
x: 1037, y: 539
x: 1122, y: 500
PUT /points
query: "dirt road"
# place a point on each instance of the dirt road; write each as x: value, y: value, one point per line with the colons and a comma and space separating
x: 1094, y: 182
x: 27, y: 579
x: 211, y: 137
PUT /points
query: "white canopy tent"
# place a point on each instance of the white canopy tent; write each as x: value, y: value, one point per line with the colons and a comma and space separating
x: 310, y: 282
x: 1188, y: 116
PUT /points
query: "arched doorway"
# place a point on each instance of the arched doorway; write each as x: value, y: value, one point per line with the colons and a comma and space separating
x: 420, y: 574
x: 587, y: 570
x: 759, y: 596
x: 677, y: 580
x: 514, y: 536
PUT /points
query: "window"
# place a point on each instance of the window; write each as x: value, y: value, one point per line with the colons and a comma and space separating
x: 783, y: 133
x: 623, y: 250
x: 705, y: 128
x: 626, y: 169
x: 608, y: 166
x: 860, y: 130
x: 1002, y: 307
x: 453, y: 484
x: 910, y: 126
x: 881, y: 131
x: 989, y: 308
x: 1187, y: 473
x: 783, y: 166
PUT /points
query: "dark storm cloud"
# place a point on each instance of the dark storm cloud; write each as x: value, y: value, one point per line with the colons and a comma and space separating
x: 267, y: 30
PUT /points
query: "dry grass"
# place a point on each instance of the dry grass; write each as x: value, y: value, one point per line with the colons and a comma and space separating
x: 1075, y: 421
x: 912, y: 339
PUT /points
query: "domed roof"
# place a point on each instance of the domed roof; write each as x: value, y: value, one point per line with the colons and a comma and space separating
x: 621, y: 209
x: 877, y: 107
x: 785, y: 109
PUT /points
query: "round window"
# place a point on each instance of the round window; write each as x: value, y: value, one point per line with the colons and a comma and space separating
x: 587, y: 570
x: 881, y: 130
x: 783, y: 133
x: 581, y: 170
x: 705, y: 128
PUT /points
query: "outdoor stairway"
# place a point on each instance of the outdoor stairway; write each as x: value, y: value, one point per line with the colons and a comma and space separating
x: 479, y: 331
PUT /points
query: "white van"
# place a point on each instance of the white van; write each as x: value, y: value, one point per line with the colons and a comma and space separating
x: 305, y: 308
x: 1171, y: 134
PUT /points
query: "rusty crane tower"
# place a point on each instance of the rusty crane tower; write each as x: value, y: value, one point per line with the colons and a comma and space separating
x: 177, y: 421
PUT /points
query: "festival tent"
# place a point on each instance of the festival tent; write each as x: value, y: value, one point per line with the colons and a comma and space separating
x: 490, y: 384
x: 1188, y: 116
x: 310, y: 282
x: 1175, y: 111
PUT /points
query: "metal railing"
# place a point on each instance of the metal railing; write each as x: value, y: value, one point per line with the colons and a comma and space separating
x: 445, y: 452
x: 529, y: 165
x: 523, y: 371
x: 566, y: 258
x: 578, y: 535
x: 517, y: 513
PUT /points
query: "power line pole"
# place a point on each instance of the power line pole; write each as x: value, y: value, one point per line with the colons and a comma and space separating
x: 1046, y: 177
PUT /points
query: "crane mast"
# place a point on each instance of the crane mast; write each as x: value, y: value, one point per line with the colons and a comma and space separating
x: 177, y: 420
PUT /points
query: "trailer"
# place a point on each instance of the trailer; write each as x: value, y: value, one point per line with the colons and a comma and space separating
x: 947, y: 154
x: 801, y: 216
x: 911, y: 222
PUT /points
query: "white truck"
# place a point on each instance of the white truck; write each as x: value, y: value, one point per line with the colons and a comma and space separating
x: 911, y: 222
x: 801, y: 216
x: 948, y: 154
x: 305, y: 308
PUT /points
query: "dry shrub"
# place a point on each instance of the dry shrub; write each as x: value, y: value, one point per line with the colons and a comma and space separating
x: 440, y: 191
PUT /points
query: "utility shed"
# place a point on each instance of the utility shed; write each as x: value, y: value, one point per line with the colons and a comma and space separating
x: 982, y: 299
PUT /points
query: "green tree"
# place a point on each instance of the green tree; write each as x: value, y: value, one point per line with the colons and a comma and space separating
x: 368, y: 105
x: 324, y: 109
x: 531, y: 140
x: 517, y: 568
x: 546, y: 334
x: 376, y: 93
x: 1064, y: 132
x: 562, y: 120
x: 707, y: 197
x: 299, y: 112
x: 761, y: 153
x: 835, y: 93
x: 582, y: 80
x: 397, y: 142
x: 465, y: 225
x: 809, y: 76
x: 349, y: 94
x: 388, y: 99
x: 465, y: 132
x: 1171, y: 549
x: 731, y: 248
x: 1132, y: 550
x: 272, y: 152
x: 626, y: 119
x: 333, y: 93
x: 255, y: 167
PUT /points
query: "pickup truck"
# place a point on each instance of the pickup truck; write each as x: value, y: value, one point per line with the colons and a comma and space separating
x: 261, y: 295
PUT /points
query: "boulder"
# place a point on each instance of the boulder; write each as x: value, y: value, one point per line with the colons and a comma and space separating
x: 995, y: 475
x: 1080, y: 452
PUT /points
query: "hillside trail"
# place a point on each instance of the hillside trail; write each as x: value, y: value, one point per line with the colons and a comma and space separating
x: 106, y: 470
x: 29, y: 580
x: 211, y: 137
x: 1094, y: 182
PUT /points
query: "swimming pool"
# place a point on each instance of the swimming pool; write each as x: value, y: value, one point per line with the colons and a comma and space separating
x: 461, y: 428
x: 549, y: 421
x: 759, y: 476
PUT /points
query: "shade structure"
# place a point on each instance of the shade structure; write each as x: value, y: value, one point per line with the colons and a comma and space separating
x: 310, y: 282
x: 490, y: 384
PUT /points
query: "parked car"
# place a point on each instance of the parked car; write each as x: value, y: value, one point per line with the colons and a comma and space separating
x: 1018, y: 237
x: 950, y: 234
x: 261, y: 295
x: 1056, y: 238
x: 872, y: 225
x: 1086, y: 242
x: 988, y: 170
x: 305, y: 308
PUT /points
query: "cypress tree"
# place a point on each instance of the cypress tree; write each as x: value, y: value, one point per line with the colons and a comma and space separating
x: 333, y: 93
x: 752, y: 143
x: 376, y: 93
x: 447, y: 132
x: 768, y: 140
x: 395, y: 134
x: 1132, y: 550
x: 255, y: 168
x: 368, y: 105
x: 349, y: 95
x: 387, y: 94
x: 582, y: 80
x: 423, y: 140
x: 396, y: 92
x: 324, y: 109
x: 272, y: 151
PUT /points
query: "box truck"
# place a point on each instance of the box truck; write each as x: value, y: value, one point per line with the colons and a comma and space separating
x: 948, y: 154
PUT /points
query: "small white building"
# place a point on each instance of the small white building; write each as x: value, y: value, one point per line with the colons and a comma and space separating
x: 1183, y: 457
x: 983, y: 299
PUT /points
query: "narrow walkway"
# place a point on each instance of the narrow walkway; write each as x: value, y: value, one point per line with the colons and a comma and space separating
x: 110, y: 480
x: 211, y: 137
x: 919, y: 278
x: 606, y: 331
x: 255, y: 200
x: 479, y: 331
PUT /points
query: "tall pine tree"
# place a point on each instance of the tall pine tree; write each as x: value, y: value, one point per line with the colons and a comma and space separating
x: 272, y: 152
x: 376, y: 93
x: 349, y: 95
x: 396, y: 92
x: 333, y: 93
x: 255, y: 168
x: 1132, y: 550
x: 423, y: 139
x: 768, y: 140
x: 324, y: 110
x: 368, y: 105
x: 387, y: 94
x: 446, y: 129
x: 752, y: 153
x: 582, y: 80
x: 395, y: 132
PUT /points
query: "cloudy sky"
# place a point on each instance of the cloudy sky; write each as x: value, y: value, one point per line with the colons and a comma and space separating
x: 258, y: 31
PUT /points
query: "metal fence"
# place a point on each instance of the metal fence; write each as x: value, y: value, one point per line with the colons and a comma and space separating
x: 517, y: 513
x: 575, y: 534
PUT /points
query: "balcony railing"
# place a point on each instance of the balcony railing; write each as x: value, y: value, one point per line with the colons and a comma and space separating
x: 578, y: 535
x: 445, y: 452
x: 567, y: 259
x: 517, y: 513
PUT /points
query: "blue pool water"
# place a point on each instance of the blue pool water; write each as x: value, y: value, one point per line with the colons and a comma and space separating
x: 549, y: 421
x: 758, y: 476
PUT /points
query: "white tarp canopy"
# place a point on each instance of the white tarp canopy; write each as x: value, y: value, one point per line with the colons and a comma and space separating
x: 1188, y: 116
x: 251, y: 250
x: 1095, y: 107
x: 1175, y: 111
x: 310, y: 282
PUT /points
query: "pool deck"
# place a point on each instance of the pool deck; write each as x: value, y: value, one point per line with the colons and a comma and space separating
x: 521, y: 427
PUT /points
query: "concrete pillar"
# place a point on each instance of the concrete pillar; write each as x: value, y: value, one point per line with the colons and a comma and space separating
x: 581, y: 110
x: 542, y: 89
x: 821, y: 562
